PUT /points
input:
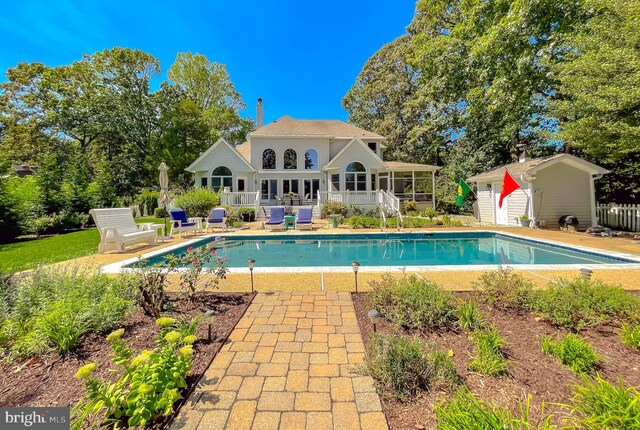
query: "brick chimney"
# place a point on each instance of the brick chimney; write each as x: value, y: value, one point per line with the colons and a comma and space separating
x: 259, y: 114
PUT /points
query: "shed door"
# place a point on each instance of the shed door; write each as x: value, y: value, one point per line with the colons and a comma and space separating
x: 502, y: 214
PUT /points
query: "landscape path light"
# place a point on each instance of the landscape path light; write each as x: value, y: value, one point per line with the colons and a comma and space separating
x: 209, y: 317
x: 251, y: 262
x: 374, y: 317
x: 356, y: 267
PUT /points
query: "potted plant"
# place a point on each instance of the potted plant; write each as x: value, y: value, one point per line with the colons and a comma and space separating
x: 525, y: 221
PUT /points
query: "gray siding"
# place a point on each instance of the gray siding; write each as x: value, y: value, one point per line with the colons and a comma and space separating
x: 519, y: 203
x: 562, y: 189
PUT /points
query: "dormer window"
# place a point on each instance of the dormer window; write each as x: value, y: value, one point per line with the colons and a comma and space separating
x: 373, y: 146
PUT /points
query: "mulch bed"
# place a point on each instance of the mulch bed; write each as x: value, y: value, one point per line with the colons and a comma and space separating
x: 48, y: 380
x: 530, y: 371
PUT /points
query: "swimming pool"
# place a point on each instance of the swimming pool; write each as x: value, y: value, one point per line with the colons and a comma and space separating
x: 382, y: 250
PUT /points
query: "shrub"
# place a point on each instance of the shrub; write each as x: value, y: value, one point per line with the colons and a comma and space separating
x: 147, y: 201
x: 409, y: 206
x: 504, y: 289
x: 333, y: 208
x: 151, y: 285
x: 429, y: 213
x: 447, y: 221
x: 630, y: 334
x: 55, y: 307
x: 9, y: 213
x: 412, y: 302
x: 581, y: 303
x: 357, y: 222
x: 572, y: 352
x: 148, y: 385
x: 247, y: 214
x: 464, y: 411
x: 489, y: 358
x: 404, y: 366
x: 197, y: 202
x: 598, y: 404
x: 160, y: 213
x: 469, y: 317
x: 196, y: 262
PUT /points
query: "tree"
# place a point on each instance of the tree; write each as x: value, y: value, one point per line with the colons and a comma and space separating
x: 209, y: 86
x: 599, y: 80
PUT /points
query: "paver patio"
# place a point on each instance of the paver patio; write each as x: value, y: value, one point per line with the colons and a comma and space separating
x: 289, y: 365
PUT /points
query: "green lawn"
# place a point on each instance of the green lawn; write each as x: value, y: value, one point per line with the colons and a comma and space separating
x: 28, y: 254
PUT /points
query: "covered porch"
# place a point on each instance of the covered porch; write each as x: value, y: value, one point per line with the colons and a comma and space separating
x: 409, y: 181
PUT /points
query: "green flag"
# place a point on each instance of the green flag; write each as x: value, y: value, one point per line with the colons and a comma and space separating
x: 463, y: 190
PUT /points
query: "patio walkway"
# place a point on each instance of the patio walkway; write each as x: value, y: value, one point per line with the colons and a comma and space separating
x: 288, y: 365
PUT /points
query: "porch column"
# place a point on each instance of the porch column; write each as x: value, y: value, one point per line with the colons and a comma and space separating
x: 433, y: 189
x: 413, y: 185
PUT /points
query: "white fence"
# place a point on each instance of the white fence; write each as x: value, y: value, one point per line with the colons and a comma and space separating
x: 625, y: 217
x: 248, y: 199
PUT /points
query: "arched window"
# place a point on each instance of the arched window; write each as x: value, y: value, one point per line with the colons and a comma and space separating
x: 311, y: 159
x: 269, y: 159
x: 355, y: 178
x: 290, y: 159
x: 221, y: 177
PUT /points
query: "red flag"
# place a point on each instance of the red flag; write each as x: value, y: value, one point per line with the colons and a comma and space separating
x: 509, y: 185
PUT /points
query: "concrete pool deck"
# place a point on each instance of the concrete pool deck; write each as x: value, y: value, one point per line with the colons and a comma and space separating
x: 458, y: 280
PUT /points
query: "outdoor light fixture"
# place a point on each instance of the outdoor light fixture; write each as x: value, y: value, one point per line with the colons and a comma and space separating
x: 209, y: 317
x: 356, y: 267
x: 374, y: 317
x: 251, y: 262
x: 585, y: 273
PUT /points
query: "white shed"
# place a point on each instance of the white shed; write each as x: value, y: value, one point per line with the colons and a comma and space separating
x: 551, y: 186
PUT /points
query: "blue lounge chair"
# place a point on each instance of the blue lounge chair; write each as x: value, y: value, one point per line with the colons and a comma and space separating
x: 217, y: 218
x: 304, y: 221
x: 180, y: 223
x: 276, y: 219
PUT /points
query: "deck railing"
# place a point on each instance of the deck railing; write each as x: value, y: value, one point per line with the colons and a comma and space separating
x: 619, y: 216
x: 239, y: 198
x: 360, y: 198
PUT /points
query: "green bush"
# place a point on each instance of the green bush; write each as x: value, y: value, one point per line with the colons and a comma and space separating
x: 598, y: 404
x: 247, y: 214
x: 147, y: 200
x: 197, y: 202
x: 409, y: 206
x: 504, y: 289
x: 160, y: 213
x: 403, y: 366
x: 489, y: 358
x: 469, y: 317
x: 429, y: 213
x: 581, y: 303
x: 9, y: 214
x: 630, y: 334
x: 572, y: 352
x: 148, y: 385
x: 333, y: 208
x: 357, y: 222
x: 412, y: 302
x: 465, y: 412
x: 55, y: 307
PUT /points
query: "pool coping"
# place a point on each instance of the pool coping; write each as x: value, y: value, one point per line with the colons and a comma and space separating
x: 120, y: 266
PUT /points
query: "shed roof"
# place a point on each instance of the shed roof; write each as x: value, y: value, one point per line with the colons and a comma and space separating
x: 533, y: 165
x: 398, y: 165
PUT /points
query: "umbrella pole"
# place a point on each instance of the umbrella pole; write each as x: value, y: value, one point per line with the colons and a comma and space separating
x: 166, y: 232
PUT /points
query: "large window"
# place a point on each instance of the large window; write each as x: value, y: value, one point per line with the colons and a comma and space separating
x: 269, y: 159
x: 290, y: 159
x: 221, y: 177
x: 311, y: 159
x: 355, y: 178
x: 335, y: 182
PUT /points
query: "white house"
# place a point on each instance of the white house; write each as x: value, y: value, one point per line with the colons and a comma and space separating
x: 317, y: 160
x: 550, y: 188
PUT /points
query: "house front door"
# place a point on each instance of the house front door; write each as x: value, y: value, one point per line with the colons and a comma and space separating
x: 311, y: 187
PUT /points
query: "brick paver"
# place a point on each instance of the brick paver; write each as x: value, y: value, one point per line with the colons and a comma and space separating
x: 289, y: 364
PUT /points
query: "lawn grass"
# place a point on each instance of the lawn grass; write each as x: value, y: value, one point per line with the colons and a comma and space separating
x: 28, y: 254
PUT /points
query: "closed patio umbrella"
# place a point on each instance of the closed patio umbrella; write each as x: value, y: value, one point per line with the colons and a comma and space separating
x: 164, y: 190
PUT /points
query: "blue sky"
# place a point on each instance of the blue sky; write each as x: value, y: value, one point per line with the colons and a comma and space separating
x: 300, y: 57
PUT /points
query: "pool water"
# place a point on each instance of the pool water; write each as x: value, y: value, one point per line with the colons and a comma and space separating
x: 401, y: 249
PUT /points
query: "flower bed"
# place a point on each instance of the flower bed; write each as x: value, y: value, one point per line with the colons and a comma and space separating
x: 529, y: 370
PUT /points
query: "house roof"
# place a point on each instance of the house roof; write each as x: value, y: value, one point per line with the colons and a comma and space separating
x: 398, y: 165
x: 288, y: 126
x: 530, y: 167
x: 193, y: 167
x: 244, y: 149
